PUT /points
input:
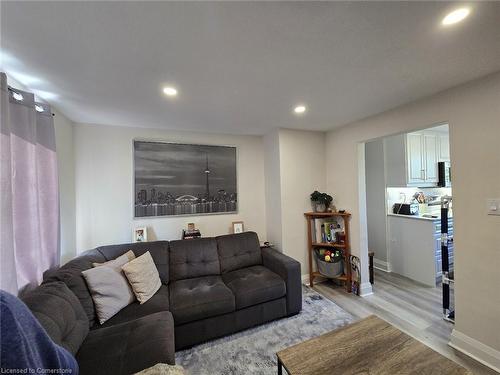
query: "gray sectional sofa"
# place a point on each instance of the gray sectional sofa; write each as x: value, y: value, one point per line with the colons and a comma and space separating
x: 211, y: 287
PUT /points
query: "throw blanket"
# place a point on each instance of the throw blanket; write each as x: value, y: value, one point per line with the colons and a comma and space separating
x: 163, y: 369
x: 25, y: 346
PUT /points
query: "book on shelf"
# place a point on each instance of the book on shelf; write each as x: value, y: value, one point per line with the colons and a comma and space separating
x: 327, y: 231
x: 190, y: 234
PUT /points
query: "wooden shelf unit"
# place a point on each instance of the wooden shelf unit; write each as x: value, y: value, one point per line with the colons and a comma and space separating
x: 328, y: 244
x: 312, y: 244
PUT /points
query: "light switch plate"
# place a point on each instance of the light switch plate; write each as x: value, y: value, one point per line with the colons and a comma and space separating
x: 493, y: 206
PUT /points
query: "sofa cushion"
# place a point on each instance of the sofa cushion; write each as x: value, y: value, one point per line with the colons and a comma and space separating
x: 71, y: 275
x: 193, y: 258
x: 157, y: 249
x: 128, y: 347
x: 158, y: 303
x: 60, y: 314
x: 143, y: 277
x: 109, y: 287
x: 238, y: 251
x: 129, y: 255
x: 199, y: 298
x: 254, y: 285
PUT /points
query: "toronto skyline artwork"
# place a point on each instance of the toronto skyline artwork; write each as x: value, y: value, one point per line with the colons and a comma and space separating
x: 184, y: 179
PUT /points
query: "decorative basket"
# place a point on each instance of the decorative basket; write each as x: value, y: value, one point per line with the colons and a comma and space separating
x: 329, y: 269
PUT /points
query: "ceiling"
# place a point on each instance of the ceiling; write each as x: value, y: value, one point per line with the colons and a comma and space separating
x: 241, y: 67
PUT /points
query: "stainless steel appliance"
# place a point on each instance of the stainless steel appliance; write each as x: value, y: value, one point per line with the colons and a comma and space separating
x: 405, y: 208
x: 444, y: 174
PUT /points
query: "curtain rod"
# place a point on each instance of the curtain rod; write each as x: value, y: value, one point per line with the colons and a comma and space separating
x: 16, y: 90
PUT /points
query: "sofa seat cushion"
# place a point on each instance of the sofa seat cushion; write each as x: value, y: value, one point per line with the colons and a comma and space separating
x: 159, y: 302
x: 254, y: 285
x: 199, y: 298
x: 128, y: 347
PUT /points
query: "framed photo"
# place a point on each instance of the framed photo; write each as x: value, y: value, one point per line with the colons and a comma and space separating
x: 238, y: 227
x: 184, y: 179
x: 140, y: 234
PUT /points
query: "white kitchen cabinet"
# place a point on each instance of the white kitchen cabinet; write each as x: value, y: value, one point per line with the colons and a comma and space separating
x: 444, y: 147
x: 411, y: 159
x: 430, y: 155
x: 415, y: 158
x: 414, y: 247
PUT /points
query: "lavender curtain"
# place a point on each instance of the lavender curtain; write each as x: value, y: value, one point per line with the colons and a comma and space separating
x: 29, y: 226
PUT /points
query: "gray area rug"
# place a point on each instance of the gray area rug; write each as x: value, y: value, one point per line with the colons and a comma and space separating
x: 254, y: 351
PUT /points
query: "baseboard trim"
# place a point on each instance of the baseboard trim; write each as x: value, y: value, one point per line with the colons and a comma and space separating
x: 381, y: 265
x: 305, y: 279
x: 475, y: 349
x: 365, y: 289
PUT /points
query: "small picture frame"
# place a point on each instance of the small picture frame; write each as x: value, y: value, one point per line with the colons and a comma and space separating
x: 238, y: 227
x: 140, y: 234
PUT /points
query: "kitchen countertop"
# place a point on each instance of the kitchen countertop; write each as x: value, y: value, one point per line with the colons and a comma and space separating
x: 419, y: 217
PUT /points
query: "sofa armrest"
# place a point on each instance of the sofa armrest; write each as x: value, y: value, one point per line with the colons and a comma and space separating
x: 289, y: 270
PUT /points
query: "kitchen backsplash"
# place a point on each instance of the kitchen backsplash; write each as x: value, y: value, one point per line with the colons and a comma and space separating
x: 405, y: 195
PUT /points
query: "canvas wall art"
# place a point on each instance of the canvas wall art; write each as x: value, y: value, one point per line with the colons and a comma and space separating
x: 184, y: 179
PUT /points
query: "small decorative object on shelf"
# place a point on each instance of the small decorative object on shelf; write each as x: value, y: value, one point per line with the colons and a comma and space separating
x: 321, y: 201
x: 140, y: 234
x: 237, y: 227
x: 328, y: 239
x: 191, y: 232
x: 265, y: 244
x: 356, y: 274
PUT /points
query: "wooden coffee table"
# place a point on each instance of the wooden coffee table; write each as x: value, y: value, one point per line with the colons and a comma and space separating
x: 370, y: 346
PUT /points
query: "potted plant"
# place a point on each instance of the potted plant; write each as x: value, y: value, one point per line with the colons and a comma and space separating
x: 321, y: 201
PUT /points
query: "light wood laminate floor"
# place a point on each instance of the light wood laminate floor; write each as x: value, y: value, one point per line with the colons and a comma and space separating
x: 411, y: 307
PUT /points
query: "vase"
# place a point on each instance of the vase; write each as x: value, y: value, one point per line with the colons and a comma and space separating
x: 319, y: 207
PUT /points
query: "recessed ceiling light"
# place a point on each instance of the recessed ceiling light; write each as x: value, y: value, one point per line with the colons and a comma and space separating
x: 456, y: 16
x: 170, y: 91
x: 300, y: 109
x: 38, y: 108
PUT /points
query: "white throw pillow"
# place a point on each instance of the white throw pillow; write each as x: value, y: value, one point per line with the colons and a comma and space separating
x: 143, y: 276
x: 109, y: 287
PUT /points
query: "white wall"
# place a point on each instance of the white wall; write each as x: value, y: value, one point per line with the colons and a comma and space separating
x: 473, y: 114
x: 273, y: 188
x: 375, y: 201
x: 295, y: 167
x: 302, y: 169
x: 66, y: 168
x: 104, y: 186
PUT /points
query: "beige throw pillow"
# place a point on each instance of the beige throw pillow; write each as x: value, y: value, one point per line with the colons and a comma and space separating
x: 129, y: 255
x: 143, y: 276
x: 109, y: 287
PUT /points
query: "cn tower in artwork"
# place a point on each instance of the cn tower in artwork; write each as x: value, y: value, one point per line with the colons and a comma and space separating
x: 207, y: 172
